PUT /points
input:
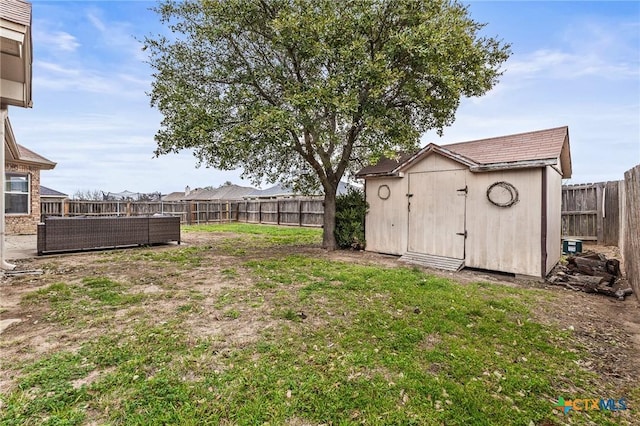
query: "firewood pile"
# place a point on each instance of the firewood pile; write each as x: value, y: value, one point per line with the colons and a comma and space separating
x: 591, y: 273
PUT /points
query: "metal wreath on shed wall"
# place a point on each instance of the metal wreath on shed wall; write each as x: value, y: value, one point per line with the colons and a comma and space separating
x: 384, y: 192
x: 513, y: 192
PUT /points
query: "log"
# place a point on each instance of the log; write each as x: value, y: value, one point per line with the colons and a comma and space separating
x: 613, y: 267
x: 591, y: 255
x: 594, y: 267
x: 589, y: 284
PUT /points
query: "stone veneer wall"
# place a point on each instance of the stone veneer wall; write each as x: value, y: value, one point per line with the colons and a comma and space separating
x: 25, y: 224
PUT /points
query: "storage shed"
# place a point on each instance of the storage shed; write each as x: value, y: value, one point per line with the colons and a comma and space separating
x: 491, y: 204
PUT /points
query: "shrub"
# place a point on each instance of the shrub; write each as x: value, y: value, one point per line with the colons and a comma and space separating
x: 351, y: 209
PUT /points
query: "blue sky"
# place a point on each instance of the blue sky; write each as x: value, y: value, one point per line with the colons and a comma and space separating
x: 573, y: 63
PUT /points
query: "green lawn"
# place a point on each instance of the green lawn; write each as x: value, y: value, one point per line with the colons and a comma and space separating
x: 337, y: 343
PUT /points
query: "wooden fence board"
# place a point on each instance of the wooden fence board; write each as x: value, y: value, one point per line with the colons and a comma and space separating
x: 611, y: 214
x: 631, y: 237
x: 591, y: 212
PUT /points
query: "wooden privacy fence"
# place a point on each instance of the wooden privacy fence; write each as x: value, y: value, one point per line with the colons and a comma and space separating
x: 630, y: 235
x: 298, y: 211
x: 592, y: 212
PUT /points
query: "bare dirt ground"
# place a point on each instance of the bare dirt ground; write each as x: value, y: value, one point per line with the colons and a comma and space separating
x: 607, y: 328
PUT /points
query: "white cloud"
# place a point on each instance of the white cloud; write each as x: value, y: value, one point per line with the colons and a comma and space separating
x: 55, y: 68
x: 117, y: 35
x: 59, y: 41
x: 587, y: 47
x: 96, y: 21
x: 53, y: 76
x: 64, y: 41
x: 558, y: 64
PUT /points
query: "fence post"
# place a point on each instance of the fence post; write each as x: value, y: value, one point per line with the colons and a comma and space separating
x: 278, y: 212
x: 259, y: 211
x: 299, y: 212
x: 599, y: 218
x: 65, y: 207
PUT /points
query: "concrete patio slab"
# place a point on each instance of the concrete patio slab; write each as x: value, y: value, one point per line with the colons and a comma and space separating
x: 20, y: 246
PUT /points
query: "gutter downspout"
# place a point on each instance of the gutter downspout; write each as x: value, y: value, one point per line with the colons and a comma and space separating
x: 3, y: 263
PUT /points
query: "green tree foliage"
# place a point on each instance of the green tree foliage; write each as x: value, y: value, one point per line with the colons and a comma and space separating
x: 305, y: 91
x: 351, y: 209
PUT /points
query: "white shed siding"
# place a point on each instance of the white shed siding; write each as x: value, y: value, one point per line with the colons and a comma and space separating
x: 437, y: 214
x: 554, y: 217
x: 386, y: 221
x: 505, y: 238
x: 435, y: 162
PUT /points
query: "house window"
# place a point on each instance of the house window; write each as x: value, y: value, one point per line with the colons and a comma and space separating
x: 16, y: 194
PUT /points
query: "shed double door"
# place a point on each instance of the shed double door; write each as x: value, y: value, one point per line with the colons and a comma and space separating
x: 437, y: 203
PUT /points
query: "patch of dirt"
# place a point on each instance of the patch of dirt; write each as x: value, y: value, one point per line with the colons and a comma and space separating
x: 608, y: 329
x: 90, y: 378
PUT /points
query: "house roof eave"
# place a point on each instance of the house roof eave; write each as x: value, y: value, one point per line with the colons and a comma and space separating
x: 380, y: 175
x: 527, y: 164
x: 41, y: 165
x: 565, y: 158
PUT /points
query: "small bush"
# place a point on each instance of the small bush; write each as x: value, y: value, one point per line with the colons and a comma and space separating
x: 351, y: 209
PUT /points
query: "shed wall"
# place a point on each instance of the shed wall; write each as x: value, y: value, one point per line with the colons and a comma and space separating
x: 434, y: 163
x: 505, y: 238
x: 554, y: 218
x: 386, y: 221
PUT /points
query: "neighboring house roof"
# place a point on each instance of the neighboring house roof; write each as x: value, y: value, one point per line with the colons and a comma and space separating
x: 277, y: 190
x: 174, y: 196
x: 201, y: 194
x: 223, y: 193
x: 522, y: 150
x: 19, y: 154
x: 48, y: 192
x: 280, y: 190
x: 232, y: 192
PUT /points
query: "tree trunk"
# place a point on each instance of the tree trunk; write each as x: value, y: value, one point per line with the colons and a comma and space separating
x: 329, y: 220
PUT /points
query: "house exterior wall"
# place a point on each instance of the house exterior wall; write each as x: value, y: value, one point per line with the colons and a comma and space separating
x: 554, y: 218
x: 505, y: 239
x: 386, y: 220
x: 25, y: 224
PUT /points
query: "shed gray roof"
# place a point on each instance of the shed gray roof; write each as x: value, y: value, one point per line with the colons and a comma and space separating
x: 531, y: 149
